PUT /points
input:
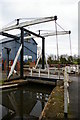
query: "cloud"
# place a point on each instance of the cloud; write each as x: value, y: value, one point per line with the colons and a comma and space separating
x: 67, y: 12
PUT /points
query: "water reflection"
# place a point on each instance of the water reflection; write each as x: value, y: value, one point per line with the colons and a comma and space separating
x: 25, y: 103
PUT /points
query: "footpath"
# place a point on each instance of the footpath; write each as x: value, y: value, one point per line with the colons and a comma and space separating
x: 74, y: 96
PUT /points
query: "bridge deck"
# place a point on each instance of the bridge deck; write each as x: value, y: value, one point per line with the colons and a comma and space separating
x: 14, y: 82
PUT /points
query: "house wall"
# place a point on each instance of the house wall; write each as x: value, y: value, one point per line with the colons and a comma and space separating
x: 10, y: 45
x: 33, y: 47
x: 15, y: 46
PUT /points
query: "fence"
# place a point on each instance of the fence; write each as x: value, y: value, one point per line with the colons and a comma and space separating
x: 49, y: 72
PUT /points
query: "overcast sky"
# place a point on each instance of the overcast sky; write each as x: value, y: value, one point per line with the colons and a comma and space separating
x: 66, y: 11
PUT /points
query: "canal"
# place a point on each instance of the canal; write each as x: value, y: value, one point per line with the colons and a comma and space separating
x: 24, y: 103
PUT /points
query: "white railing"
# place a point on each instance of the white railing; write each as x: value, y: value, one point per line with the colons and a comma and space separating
x: 66, y: 93
x: 49, y: 72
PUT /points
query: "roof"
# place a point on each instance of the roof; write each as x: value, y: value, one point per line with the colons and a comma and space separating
x: 34, y: 41
x: 5, y: 40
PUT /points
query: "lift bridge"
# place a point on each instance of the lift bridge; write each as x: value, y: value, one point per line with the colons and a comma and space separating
x: 21, y: 27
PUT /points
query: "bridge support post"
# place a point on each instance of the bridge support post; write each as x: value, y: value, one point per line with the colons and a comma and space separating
x: 21, y: 55
x: 43, y: 52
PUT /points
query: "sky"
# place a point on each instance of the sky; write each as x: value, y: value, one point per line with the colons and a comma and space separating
x: 66, y: 11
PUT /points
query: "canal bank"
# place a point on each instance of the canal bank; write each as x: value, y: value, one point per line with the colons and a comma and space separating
x: 54, y: 108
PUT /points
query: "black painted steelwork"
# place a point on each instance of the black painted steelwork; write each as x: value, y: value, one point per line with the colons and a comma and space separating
x: 30, y: 32
x: 9, y: 35
x: 43, y: 45
x: 55, y: 17
x: 69, y: 32
x: 21, y: 55
x: 18, y: 21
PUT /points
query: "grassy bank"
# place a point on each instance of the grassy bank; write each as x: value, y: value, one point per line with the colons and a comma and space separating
x: 54, y: 109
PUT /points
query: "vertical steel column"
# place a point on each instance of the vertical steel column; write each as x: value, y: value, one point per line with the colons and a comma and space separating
x: 43, y: 52
x: 21, y: 55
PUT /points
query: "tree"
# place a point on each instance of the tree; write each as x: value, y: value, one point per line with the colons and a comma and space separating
x: 52, y: 60
x: 49, y: 60
x: 78, y: 61
x: 70, y: 60
x: 63, y: 60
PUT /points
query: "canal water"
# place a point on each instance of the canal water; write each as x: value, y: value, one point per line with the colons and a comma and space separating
x: 24, y: 103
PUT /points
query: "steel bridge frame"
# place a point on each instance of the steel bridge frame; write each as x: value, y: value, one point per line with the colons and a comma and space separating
x: 22, y: 29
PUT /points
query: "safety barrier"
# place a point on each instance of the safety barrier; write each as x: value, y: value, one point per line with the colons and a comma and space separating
x: 49, y: 72
x: 66, y: 93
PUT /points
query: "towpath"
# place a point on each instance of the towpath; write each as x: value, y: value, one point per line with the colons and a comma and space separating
x: 74, y: 94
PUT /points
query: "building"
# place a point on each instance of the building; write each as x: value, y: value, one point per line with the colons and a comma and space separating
x: 30, y: 49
